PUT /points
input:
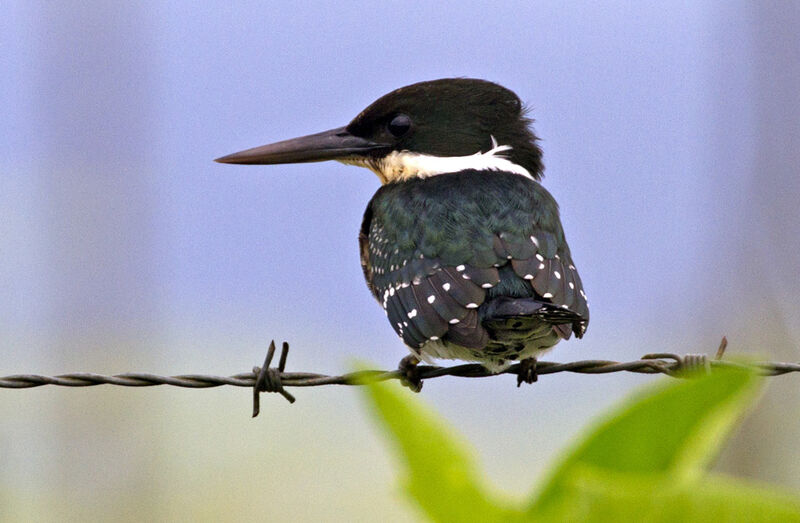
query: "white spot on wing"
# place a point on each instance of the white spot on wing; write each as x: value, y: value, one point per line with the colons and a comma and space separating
x: 446, y: 286
x: 431, y: 298
x: 472, y: 305
x: 412, y: 313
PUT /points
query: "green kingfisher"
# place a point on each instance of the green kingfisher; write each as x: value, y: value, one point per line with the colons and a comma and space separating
x: 461, y: 246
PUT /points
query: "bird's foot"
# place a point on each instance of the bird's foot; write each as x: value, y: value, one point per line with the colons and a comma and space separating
x: 527, y: 371
x: 409, y: 374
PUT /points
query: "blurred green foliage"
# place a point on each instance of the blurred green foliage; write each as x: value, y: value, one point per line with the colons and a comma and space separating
x: 646, y: 460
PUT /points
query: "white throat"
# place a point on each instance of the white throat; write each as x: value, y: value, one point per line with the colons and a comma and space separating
x: 404, y: 165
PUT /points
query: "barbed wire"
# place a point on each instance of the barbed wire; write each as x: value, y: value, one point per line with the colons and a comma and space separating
x: 275, y: 379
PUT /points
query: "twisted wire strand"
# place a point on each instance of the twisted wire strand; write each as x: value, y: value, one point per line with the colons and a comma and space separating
x: 275, y: 379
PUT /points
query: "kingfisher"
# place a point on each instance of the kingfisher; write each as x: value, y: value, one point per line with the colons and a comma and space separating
x: 462, y: 246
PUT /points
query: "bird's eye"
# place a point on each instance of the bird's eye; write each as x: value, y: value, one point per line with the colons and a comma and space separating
x: 399, y: 125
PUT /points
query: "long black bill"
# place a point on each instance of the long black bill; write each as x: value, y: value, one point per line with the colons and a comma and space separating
x: 328, y: 145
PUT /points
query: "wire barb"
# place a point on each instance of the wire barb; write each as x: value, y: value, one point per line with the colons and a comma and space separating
x: 275, y: 379
x: 723, y: 344
x: 268, y: 379
x: 684, y: 365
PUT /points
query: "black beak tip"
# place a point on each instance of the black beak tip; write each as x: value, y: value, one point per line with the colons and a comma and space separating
x: 226, y: 159
x: 248, y: 157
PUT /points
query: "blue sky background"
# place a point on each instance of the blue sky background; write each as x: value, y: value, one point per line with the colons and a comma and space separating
x: 671, y: 142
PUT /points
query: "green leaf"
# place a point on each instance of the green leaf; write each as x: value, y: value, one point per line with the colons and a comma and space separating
x: 735, y: 500
x: 645, y: 462
x: 660, y: 440
x: 611, y: 499
x: 440, y: 474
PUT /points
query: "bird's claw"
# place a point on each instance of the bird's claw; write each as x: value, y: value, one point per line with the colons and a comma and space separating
x: 527, y: 371
x: 409, y: 374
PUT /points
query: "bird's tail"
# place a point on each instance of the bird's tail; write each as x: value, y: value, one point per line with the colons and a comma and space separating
x: 505, y: 313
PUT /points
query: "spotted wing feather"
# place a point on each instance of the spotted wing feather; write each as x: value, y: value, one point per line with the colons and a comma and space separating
x: 469, y: 332
x: 484, y: 278
x: 516, y: 246
x: 463, y: 291
x: 442, y: 302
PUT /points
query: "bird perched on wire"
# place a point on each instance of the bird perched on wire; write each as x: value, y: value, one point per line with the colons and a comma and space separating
x: 461, y: 246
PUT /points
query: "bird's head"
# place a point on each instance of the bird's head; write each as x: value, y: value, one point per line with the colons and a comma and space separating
x: 421, y: 130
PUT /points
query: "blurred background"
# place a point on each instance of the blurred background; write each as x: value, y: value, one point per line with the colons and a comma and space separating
x: 671, y: 142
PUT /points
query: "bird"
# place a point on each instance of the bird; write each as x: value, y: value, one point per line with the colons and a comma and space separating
x: 461, y: 245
